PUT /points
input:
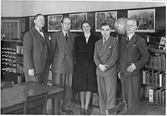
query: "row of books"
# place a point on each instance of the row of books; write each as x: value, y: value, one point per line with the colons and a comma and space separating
x: 9, y: 69
x: 19, y: 49
x: 20, y: 69
x: 154, y: 77
x: 157, y: 62
x: 154, y: 95
x: 19, y: 60
x: 10, y: 49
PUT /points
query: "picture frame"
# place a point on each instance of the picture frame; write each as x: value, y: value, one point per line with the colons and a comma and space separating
x: 31, y: 23
x: 108, y: 17
x: 76, y: 20
x: 54, y: 23
x: 145, y: 18
x: 22, y: 24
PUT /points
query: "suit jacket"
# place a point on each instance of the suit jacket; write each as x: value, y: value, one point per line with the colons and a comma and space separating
x: 62, y: 53
x: 85, y: 51
x: 108, y: 55
x: 36, y: 51
x: 135, y: 52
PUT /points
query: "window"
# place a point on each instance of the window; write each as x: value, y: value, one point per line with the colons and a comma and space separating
x: 10, y: 29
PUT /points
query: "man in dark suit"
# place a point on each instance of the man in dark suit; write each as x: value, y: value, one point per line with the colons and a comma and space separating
x: 36, y: 52
x: 62, y: 49
x: 133, y: 56
x: 106, y: 57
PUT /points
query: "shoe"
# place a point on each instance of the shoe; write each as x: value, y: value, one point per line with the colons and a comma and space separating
x: 82, y: 111
x: 87, y: 112
x: 70, y: 112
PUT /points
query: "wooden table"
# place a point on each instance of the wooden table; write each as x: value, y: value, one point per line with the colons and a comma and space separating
x: 13, y: 98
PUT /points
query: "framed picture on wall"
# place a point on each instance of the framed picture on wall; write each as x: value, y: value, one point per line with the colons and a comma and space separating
x: 76, y: 20
x: 54, y: 23
x: 145, y: 18
x: 22, y: 24
x: 31, y: 23
x: 108, y: 17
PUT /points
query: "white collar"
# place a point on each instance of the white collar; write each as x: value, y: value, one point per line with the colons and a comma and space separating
x: 37, y: 29
x: 87, y: 35
x: 106, y: 38
x: 64, y: 32
x: 130, y: 36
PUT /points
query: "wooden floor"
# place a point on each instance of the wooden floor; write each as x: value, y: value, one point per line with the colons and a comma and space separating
x: 141, y: 109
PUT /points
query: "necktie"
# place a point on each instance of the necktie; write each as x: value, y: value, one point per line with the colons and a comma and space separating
x: 66, y: 36
x: 127, y: 41
x: 41, y: 30
x: 104, y: 41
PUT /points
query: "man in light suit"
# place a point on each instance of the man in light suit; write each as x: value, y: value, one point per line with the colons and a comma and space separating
x: 62, y: 48
x: 36, y: 52
x: 132, y: 58
x: 106, y: 57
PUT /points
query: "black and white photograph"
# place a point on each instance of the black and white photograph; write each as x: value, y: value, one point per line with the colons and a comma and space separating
x: 102, y: 57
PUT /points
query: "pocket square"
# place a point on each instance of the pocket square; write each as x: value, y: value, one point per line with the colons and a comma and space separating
x: 109, y: 46
x: 134, y: 45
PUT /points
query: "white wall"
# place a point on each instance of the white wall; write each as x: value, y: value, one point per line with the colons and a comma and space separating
x: 30, y: 8
x: 11, y: 9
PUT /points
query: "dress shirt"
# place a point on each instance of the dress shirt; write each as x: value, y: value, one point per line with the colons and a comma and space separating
x: 105, y: 40
x: 130, y: 36
x: 65, y: 33
x: 40, y: 32
x: 87, y: 35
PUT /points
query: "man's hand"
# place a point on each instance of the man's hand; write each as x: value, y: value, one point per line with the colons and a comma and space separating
x: 31, y: 72
x: 131, y: 68
x: 103, y: 67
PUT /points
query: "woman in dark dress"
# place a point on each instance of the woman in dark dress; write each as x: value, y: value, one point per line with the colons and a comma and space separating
x: 84, y: 80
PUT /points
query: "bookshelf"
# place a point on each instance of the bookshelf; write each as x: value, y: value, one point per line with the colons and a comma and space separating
x: 154, y: 78
x: 12, y: 61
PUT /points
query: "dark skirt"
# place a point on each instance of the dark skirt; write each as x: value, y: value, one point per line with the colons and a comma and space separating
x: 85, y: 79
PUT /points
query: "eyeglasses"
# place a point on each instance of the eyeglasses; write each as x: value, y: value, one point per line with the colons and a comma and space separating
x: 130, y: 25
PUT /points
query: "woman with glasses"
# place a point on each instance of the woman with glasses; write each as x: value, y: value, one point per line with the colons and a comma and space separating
x: 84, y: 81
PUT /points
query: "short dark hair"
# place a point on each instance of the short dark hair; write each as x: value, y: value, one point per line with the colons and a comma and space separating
x: 64, y: 18
x: 86, y: 21
x: 105, y: 24
x: 39, y: 14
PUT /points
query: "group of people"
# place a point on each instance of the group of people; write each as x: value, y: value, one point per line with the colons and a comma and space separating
x: 86, y: 63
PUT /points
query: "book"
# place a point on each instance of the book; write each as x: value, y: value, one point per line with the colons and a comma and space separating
x: 151, y: 94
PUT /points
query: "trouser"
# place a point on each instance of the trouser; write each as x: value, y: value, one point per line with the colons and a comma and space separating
x: 64, y: 81
x: 107, y: 92
x: 131, y: 87
x: 41, y: 77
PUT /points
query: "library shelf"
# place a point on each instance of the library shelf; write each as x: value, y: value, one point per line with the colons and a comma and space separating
x: 12, y: 61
